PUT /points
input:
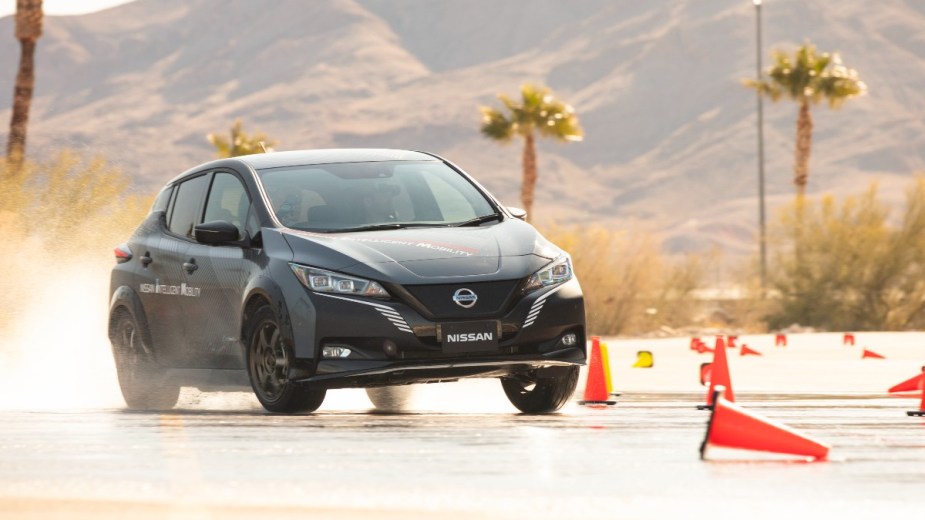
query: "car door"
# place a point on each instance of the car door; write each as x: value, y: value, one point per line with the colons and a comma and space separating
x: 163, y: 278
x: 220, y: 276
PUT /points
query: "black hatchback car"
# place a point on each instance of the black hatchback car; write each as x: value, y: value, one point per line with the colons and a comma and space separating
x: 298, y: 272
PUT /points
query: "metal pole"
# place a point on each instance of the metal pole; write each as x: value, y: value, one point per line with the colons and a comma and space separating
x: 761, y: 214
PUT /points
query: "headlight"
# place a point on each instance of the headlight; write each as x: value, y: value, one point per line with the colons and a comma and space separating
x: 555, y: 273
x: 323, y: 281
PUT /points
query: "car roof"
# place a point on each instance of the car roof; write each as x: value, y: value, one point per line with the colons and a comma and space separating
x: 261, y: 161
x: 330, y: 156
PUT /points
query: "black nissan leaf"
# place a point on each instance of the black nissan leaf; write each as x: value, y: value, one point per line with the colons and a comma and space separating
x: 298, y: 272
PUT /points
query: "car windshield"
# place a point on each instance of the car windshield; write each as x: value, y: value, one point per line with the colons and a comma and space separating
x: 373, y: 195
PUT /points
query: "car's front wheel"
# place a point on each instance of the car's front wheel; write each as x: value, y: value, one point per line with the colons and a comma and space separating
x: 141, y: 379
x: 543, y: 390
x: 268, y: 363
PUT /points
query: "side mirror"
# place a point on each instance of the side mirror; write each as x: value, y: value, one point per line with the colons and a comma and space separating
x: 517, y: 213
x: 216, y: 232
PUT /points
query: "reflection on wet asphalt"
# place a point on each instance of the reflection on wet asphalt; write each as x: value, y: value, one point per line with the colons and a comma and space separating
x: 639, y: 458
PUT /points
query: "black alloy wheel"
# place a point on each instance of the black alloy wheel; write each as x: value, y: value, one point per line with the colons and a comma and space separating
x: 142, y: 381
x: 268, y: 363
x: 543, y: 390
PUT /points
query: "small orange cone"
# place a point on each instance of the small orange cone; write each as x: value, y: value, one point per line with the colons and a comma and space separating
x: 848, y: 339
x: 780, y: 340
x: 921, y: 411
x: 909, y: 385
x: 732, y: 426
x: 745, y: 351
x: 731, y: 341
x: 596, y: 385
x: 871, y: 354
x: 695, y: 343
x: 706, y: 370
x: 719, y: 375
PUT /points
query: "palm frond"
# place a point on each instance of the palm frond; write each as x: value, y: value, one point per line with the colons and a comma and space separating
x: 808, y: 76
x: 496, y: 126
x: 537, y: 112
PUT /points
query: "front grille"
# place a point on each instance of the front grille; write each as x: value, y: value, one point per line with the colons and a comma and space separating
x: 494, y: 298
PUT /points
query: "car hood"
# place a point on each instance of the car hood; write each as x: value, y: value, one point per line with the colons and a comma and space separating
x: 503, y: 250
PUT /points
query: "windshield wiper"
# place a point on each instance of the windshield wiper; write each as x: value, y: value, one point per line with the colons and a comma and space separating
x: 480, y: 220
x: 377, y: 227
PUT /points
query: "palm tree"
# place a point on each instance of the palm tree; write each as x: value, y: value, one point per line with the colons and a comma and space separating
x: 538, y: 112
x: 240, y: 143
x: 808, y: 78
x: 29, y: 17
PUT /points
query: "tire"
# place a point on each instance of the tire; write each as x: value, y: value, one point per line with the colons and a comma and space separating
x: 142, y: 381
x: 390, y: 399
x: 541, y: 391
x: 268, y: 360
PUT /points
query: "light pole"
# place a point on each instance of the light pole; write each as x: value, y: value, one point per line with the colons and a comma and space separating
x: 762, y: 234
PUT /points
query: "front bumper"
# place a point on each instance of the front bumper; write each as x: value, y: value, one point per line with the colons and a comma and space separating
x: 531, y: 333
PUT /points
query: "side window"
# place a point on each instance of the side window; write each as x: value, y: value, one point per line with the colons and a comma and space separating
x: 186, y: 206
x: 228, y: 201
x: 160, y: 203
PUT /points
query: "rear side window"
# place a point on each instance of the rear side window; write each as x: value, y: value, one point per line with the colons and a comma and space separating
x: 186, y: 206
x: 228, y: 201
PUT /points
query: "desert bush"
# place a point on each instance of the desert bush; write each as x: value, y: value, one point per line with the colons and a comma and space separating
x: 629, y: 285
x: 846, y: 266
x: 69, y: 208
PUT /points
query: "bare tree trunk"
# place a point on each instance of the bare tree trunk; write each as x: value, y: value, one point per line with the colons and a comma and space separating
x: 528, y: 186
x: 22, y: 99
x: 803, y: 146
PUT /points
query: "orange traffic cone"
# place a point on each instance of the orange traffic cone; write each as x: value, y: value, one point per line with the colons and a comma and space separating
x: 731, y: 341
x: 745, y: 351
x: 871, y: 354
x: 732, y: 426
x: 909, y: 385
x: 921, y: 411
x: 719, y: 375
x: 780, y: 340
x: 695, y: 343
x: 706, y: 370
x: 848, y: 339
x: 596, y: 386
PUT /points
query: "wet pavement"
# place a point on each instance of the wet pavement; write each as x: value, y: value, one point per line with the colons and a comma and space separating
x: 638, y: 459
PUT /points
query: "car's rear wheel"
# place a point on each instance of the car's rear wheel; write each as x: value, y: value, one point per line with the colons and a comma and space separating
x: 390, y: 399
x: 142, y: 381
x: 543, y: 390
x: 268, y: 362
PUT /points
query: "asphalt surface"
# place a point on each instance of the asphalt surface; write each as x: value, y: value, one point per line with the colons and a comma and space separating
x: 461, y: 452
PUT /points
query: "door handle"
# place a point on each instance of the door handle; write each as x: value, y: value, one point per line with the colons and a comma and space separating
x: 146, y: 260
x: 190, y: 266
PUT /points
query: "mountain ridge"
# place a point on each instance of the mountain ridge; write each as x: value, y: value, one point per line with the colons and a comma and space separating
x: 670, y: 141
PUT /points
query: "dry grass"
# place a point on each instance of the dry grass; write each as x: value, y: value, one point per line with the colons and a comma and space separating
x: 59, y: 213
x: 630, y: 286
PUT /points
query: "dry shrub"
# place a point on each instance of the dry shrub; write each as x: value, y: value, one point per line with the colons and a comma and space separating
x: 847, y: 267
x: 65, y: 210
x: 630, y: 287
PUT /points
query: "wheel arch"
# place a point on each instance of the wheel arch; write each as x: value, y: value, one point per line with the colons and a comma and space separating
x: 265, y: 291
x: 126, y: 299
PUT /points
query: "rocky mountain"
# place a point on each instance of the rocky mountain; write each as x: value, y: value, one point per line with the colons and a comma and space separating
x: 671, y: 136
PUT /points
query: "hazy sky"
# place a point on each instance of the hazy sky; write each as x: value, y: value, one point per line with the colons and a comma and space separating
x: 64, y: 6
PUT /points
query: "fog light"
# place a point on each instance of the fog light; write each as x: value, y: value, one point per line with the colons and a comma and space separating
x: 335, y: 351
x: 390, y: 348
x: 569, y: 340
